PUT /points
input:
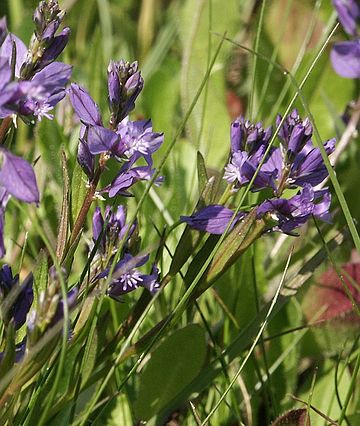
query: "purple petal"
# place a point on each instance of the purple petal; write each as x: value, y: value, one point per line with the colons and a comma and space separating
x: 53, y: 77
x: 6, y: 50
x: 5, y: 73
x: 348, y: 12
x: 18, y: 177
x: 84, y: 106
x: 100, y: 139
x: 85, y: 158
x: 3, y: 30
x: 56, y: 47
x: 345, y: 58
x: 213, y: 219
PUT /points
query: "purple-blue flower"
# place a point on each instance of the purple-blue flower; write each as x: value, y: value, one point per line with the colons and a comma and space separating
x: 114, y: 230
x: 127, y: 142
x: 213, y: 219
x: 248, y: 145
x: 295, y: 212
x: 18, y: 177
x: 38, y: 83
x: 349, y: 14
x: 345, y: 55
x: 127, y: 277
x: 345, y: 58
x: 22, y: 297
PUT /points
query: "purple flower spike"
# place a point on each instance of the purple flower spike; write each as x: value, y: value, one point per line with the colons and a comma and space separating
x: 248, y: 137
x: 345, y: 58
x: 18, y: 178
x: 84, y: 106
x: 349, y: 14
x: 213, y: 219
x: 24, y: 299
x: 125, y: 84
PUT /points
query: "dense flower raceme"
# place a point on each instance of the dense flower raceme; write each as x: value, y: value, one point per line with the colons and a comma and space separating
x: 345, y: 55
x: 127, y: 141
x: 31, y: 84
x: 296, y: 163
x: 108, y: 231
x: 37, y: 83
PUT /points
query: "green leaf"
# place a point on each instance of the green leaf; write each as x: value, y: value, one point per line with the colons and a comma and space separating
x: 78, y: 191
x: 202, y: 173
x: 65, y: 210
x: 40, y: 275
x: 172, y: 366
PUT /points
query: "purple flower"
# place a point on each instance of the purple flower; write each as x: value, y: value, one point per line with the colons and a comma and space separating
x: 37, y: 87
x: 45, y: 45
x: 293, y: 134
x: 127, y: 178
x: 213, y: 219
x: 248, y: 137
x: 130, y: 141
x: 309, y: 167
x: 297, y: 162
x: 18, y: 177
x: 345, y: 58
x: 349, y: 14
x: 127, y: 277
x: 292, y: 213
x: 84, y: 106
x: 114, y: 230
x: 23, y: 295
x: 138, y: 139
x: 248, y: 145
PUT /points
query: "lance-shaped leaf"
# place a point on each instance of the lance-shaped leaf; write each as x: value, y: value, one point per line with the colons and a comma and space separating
x: 65, y: 210
x: 18, y: 177
x: 298, y: 417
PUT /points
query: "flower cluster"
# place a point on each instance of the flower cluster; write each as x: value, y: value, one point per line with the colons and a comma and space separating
x: 296, y: 163
x: 31, y: 84
x: 345, y: 55
x: 108, y: 233
x: 127, y: 141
